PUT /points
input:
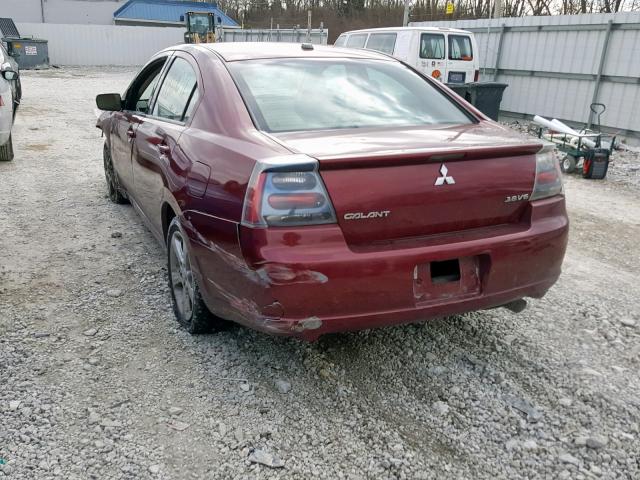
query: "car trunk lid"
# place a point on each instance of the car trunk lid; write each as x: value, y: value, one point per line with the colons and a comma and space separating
x: 395, y: 184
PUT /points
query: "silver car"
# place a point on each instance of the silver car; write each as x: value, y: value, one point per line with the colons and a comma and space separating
x: 10, y: 93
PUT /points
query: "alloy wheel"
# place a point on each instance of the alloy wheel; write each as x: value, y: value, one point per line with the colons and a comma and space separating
x: 110, y: 175
x: 182, y: 281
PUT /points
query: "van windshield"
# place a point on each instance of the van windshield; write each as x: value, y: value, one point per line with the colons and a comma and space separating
x: 341, y: 40
x: 295, y: 94
x: 382, y: 42
x: 357, y: 41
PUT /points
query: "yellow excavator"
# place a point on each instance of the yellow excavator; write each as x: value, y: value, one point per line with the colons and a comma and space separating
x: 201, y: 27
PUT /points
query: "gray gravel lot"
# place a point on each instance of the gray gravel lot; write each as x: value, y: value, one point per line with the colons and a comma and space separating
x: 97, y: 381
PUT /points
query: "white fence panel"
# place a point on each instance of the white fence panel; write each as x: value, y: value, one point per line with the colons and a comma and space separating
x: 102, y: 44
x: 551, y: 65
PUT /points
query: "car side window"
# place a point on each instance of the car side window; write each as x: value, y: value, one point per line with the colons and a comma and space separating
x: 175, y: 99
x: 142, y: 88
x: 357, y: 41
x: 432, y: 46
x: 342, y: 39
x: 142, y: 104
x: 193, y: 101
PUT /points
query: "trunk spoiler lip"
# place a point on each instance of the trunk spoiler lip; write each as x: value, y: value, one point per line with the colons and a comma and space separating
x: 428, y: 155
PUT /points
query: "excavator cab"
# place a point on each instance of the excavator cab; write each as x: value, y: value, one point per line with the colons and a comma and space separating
x: 201, y: 27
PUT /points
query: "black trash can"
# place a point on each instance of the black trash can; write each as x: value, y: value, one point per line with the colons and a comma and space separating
x: 485, y: 96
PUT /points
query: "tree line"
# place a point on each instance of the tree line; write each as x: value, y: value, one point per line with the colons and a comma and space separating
x: 343, y: 15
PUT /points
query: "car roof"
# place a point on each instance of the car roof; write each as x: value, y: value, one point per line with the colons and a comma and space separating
x: 234, y: 51
x: 400, y: 29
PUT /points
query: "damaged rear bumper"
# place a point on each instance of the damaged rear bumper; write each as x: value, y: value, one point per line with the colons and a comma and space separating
x: 307, y: 282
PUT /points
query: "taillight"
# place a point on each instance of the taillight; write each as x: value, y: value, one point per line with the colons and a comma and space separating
x: 548, y: 180
x: 476, y: 76
x: 281, y: 194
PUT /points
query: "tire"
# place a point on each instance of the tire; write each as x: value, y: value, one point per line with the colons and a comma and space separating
x: 6, y: 151
x: 188, y: 306
x: 568, y: 164
x: 113, y: 186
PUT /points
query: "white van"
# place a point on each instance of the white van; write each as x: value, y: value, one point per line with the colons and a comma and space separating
x: 447, y: 54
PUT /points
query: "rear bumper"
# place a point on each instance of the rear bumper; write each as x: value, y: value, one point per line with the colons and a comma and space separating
x: 311, y: 328
x: 308, y: 282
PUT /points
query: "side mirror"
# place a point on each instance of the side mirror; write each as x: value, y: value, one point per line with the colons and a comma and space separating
x: 10, y: 74
x: 111, y: 102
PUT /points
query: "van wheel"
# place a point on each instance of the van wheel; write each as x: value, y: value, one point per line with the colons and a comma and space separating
x: 188, y: 306
x: 6, y: 151
x: 115, y: 195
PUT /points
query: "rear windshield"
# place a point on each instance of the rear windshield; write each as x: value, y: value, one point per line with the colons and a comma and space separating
x: 295, y: 94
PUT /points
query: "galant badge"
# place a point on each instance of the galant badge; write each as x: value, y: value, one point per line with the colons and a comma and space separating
x: 448, y: 179
x: 364, y: 216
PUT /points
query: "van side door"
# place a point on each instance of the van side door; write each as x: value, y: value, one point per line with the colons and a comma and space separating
x: 460, y: 55
x: 432, y: 55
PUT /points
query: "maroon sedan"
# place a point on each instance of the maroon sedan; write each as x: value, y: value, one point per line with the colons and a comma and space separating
x: 302, y: 190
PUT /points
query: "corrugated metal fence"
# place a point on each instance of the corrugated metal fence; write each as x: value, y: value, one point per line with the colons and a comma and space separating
x: 102, y: 44
x: 557, y: 66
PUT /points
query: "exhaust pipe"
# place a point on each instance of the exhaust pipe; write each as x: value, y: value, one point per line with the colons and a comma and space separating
x: 516, y: 306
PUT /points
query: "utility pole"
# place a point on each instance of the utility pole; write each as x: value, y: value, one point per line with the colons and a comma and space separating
x: 308, y: 25
x: 42, y: 10
x: 405, y: 19
x: 486, y: 50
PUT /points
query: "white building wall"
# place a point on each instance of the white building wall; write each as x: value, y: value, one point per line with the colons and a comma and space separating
x: 98, y: 12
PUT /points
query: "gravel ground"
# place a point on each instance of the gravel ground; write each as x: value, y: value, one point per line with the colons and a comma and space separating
x: 98, y: 381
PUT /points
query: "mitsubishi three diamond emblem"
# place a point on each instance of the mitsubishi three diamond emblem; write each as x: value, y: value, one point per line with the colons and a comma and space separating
x: 444, y: 178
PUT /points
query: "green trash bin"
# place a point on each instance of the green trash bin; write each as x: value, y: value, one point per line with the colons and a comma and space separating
x: 30, y: 53
x: 485, y: 96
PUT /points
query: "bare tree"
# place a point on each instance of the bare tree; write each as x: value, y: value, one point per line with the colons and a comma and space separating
x: 341, y: 15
